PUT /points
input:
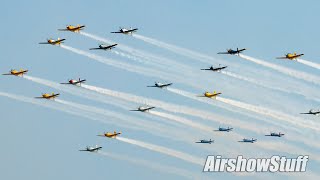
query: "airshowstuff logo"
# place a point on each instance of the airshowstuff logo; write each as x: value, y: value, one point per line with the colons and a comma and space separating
x: 240, y: 164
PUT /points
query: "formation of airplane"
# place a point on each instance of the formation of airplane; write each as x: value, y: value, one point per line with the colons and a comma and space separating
x: 218, y: 69
x: 160, y: 85
x: 71, y: 28
x: 110, y: 135
x: 224, y: 129
x: 232, y: 52
x: 14, y: 72
x: 312, y: 112
x: 126, y: 31
x: 104, y: 47
x: 248, y: 140
x: 48, y: 96
x: 143, y: 108
x: 75, y: 82
x: 53, y: 42
x: 210, y: 95
x: 291, y: 56
x: 91, y: 149
x: 204, y: 141
x: 275, y: 134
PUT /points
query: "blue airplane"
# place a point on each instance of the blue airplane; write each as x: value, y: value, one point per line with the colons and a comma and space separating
x: 232, y: 52
x: 275, y: 134
x: 248, y: 140
x: 206, y: 141
x: 224, y: 129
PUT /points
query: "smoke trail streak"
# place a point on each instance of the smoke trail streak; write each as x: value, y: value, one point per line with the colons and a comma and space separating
x: 178, y: 50
x: 126, y: 56
x: 150, y: 164
x: 284, y: 70
x: 117, y: 64
x: 140, y: 53
x: 163, y: 150
x: 309, y: 63
x: 260, y: 110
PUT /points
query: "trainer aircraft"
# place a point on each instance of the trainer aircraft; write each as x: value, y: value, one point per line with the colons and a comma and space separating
x: 48, y: 96
x: 291, y: 56
x: 218, y: 69
x: 224, y: 129
x: 110, y: 135
x: 14, y: 72
x: 53, y: 42
x: 75, y: 82
x: 248, y: 140
x: 71, y: 28
x: 275, y: 134
x: 204, y: 141
x: 160, y: 85
x: 232, y: 52
x: 91, y: 149
x: 126, y: 31
x: 104, y: 47
x: 210, y: 95
x: 312, y: 112
x: 143, y: 108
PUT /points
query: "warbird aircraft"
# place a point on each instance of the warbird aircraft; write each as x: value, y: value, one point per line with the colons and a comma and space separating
x: 53, y: 42
x: 143, y: 108
x: 312, y: 112
x: 91, y: 149
x: 104, y: 47
x: 75, y: 82
x: 48, y: 96
x: 160, y: 85
x: 232, y: 52
x: 126, y: 31
x: 205, y: 141
x: 16, y: 72
x: 218, y: 69
x: 110, y: 135
x: 248, y: 140
x: 73, y: 28
x: 275, y: 134
x: 290, y: 56
x: 224, y: 129
x: 210, y: 95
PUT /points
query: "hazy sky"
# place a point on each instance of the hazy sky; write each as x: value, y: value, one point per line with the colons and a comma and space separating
x: 43, y: 143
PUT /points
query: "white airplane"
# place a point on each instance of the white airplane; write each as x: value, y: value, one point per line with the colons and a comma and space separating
x: 75, y: 82
x: 204, y: 141
x: 248, y: 140
x: 104, y: 47
x: 143, y: 108
x: 275, y: 134
x: 160, y: 85
x: 126, y: 31
x: 92, y: 149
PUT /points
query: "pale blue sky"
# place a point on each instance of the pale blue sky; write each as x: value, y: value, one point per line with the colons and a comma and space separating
x: 41, y: 143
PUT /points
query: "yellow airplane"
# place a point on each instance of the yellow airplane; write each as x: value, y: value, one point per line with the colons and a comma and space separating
x: 48, y: 96
x: 53, y: 42
x: 16, y: 72
x: 71, y: 28
x: 110, y: 135
x: 290, y: 56
x: 210, y: 95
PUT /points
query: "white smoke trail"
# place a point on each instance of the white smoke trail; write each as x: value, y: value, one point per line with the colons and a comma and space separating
x: 118, y: 64
x: 150, y: 164
x: 127, y: 56
x: 309, y: 63
x: 178, y: 50
x: 271, y: 113
x: 164, y: 150
x: 158, y: 61
x: 287, y: 71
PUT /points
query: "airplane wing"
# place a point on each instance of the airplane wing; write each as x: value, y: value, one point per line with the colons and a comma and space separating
x: 132, y: 30
x: 165, y: 85
x: 95, y: 48
x: 205, y: 69
x: 65, y: 83
x: 44, y: 43
x: 63, y: 30
x: 152, y: 86
x: 281, y: 58
x: 223, y: 53
x: 241, y: 50
x: 7, y: 74
x: 117, y: 32
x: 60, y: 40
x: 306, y: 113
